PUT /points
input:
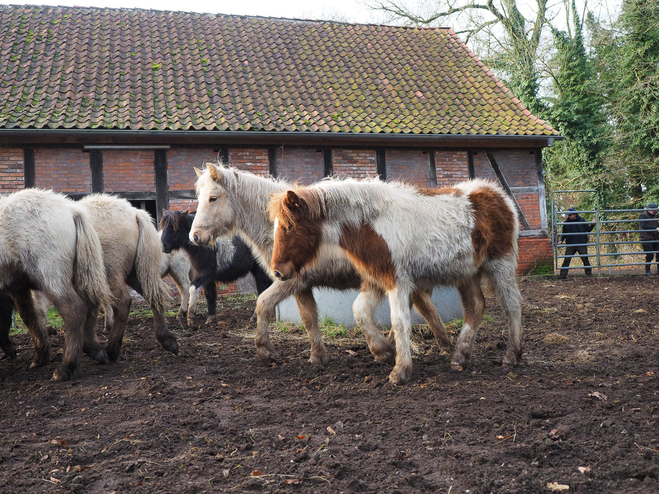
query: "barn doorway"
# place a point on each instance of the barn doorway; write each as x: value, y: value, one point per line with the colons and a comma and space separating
x: 148, y: 205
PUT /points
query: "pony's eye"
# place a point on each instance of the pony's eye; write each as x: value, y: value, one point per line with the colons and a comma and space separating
x: 212, y: 199
x: 289, y: 228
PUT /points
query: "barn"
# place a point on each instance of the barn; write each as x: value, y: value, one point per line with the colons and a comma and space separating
x: 128, y: 101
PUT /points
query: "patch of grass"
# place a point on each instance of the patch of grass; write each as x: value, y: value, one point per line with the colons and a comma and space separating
x: 240, y: 297
x: 332, y: 330
x: 54, y: 320
x: 543, y: 270
x: 285, y: 327
x: 141, y: 311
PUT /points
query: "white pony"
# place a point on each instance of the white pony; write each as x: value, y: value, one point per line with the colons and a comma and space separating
x: 404, y: 238
x: 48, y: 245
x: 132, y: 255
x: 236, y: 202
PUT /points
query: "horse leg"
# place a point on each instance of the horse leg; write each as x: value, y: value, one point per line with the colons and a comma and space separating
x: 192, y: 304
x: 6, y: 313
x: 308, y: 308
x: 363, y: 309
x: 473, y: 306
x: 36, y: 325
x: 92, y: 348
x: 163, y: 335
x: 73, y: 310
x: 401, y: 325
x: 423, y: 302
x: 121, y: 309
x: 265, y: 312
x: 181, y: 277
x: 210, y: 291
x: 502, y: 276
x: 263, y: 281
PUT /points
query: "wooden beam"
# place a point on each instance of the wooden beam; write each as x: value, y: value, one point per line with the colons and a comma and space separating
x: 162, y: 184
x: 96, y: 166
x: 432, y: 168
x: 29, y: 173
x: 506, y: 187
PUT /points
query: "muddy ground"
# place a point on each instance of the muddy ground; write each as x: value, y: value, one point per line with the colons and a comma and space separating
x: 581, y: 412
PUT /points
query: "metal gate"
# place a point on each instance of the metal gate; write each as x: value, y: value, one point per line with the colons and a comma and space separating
x: 613, y: 246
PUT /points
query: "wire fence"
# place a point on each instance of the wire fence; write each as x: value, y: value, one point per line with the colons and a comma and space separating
x: 614, y: 244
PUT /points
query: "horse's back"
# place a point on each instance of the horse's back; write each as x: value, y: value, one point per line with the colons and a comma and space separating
x: 38, y: 234
x: 113, y: 219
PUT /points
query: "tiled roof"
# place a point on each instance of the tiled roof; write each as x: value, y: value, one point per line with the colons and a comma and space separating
x: 90, y: 68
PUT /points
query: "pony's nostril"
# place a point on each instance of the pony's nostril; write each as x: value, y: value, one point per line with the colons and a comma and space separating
x: 196, y: 238
x: 278, y: 274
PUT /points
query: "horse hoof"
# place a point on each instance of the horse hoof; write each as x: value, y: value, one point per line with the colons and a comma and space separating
x: 113, y: 353
x: 444, y: 350
x: 510, y: 360
x: 40, y: 360
x: 387, y: 356
x: 170, y: 345
x: 62, y: 373
x: 101, y: 357
x: 211, y: 320
x: 9, y: 351
x: 319, y: 359
x: 266, y: 356
x: 399, y: 376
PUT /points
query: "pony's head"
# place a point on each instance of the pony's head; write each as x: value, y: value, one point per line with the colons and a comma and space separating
x: 174, y: 229
x: 215, y: 215
x: 298, y: 231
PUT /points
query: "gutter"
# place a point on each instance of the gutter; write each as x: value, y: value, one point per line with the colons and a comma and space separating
x: 86, y: 137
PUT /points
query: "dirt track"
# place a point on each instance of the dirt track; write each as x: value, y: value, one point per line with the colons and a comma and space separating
x: 582, y: 410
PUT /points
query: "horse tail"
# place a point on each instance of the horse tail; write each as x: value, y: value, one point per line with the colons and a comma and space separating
x: 89, y: 277
x: 148, y: 263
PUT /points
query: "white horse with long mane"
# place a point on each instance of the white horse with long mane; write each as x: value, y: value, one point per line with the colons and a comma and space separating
x: 404, y: 238
x: 232, y: 202
x: 132, y: 255
x: 49, y: 246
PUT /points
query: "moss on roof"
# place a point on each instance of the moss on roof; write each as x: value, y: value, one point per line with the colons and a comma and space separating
x: 87, y: 68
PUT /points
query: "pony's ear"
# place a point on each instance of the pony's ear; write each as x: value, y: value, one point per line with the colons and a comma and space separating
x: 187, y: 211
x: 292, y: 201
x: 198, y: 172
x: 215, y: 173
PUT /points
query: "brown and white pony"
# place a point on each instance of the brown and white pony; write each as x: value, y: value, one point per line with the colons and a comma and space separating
x: 50, y: 250
x: 236, y: 202
x: 132, y: 255
x: 401, y: 238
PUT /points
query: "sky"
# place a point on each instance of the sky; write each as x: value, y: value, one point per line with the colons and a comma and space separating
x: 342, y: 10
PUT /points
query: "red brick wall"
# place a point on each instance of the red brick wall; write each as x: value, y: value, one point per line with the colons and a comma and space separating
x: 181, y: 164
x: 63, y: 170
x: 451, y: 167
x: 68, y: 170
x: 517, y: 165
x: 299, y: 164
x: 529, y: 203
x: 356, y: 163
x: 128, y: 171
x: 12, y: 175
x: 410, y: 166
x: 534, y: 252
x: 252, y: 160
